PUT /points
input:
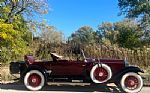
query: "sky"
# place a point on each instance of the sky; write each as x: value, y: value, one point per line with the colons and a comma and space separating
x: 69, y: 15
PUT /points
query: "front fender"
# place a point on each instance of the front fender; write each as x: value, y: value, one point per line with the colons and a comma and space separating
x: 126, y: 70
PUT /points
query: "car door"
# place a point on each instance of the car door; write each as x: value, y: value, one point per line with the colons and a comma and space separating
x: 76, y: 68
x: 67, y: 68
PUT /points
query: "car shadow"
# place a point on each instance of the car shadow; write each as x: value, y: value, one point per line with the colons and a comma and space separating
x: 63, y: 87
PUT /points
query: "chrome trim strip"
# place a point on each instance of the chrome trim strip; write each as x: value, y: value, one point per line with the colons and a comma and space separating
x: 49, y: 71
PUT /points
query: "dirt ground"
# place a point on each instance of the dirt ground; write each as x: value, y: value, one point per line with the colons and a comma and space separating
x: 64, y: 88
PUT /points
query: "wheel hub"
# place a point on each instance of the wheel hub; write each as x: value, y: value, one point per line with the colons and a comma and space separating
x: 100, y: 74
x: 34, y: 80
x: 131, y: 82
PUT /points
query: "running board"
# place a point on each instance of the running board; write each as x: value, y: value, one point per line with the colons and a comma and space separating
x: 77, y: 84
x: 68, y: 83
x: 64, y: 80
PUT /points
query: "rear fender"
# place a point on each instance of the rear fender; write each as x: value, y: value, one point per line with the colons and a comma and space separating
x: 126, y: 70
x: 35, y: 67
x: 17, y: 67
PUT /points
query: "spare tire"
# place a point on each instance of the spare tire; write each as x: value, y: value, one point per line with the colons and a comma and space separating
x: 100, y: 73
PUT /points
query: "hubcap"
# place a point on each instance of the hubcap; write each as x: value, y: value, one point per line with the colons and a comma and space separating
x: 34, y: 80
x: 100, y: 74
x: 131, y: 82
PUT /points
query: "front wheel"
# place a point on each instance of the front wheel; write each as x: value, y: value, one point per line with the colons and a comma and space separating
x: 34, y: 80
x: 131, y: 82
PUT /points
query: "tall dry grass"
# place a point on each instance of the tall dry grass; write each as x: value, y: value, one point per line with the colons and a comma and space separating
x: 5, y: 74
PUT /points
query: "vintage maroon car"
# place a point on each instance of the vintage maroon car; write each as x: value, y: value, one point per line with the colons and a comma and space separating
x: 35, y: 74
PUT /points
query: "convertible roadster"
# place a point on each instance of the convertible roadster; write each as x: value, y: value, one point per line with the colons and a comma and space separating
x: 35, y: 74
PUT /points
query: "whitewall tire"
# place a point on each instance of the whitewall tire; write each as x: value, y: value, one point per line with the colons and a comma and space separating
x: 34, y: 80
x: 100, y: 73
x: 131, y: 82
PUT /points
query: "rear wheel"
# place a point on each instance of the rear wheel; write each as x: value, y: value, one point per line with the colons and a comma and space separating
x: 131, y: 82
x: 34, y: 80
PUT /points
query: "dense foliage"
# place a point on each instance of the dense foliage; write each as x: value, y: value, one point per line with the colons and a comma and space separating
x: 140, y: 10
x: 15, y: 35
x: 21, y: 34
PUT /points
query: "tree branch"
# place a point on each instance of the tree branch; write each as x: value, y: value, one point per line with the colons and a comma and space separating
x: 10, y: 13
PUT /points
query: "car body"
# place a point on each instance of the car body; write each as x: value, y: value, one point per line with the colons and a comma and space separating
x: 93, y: 70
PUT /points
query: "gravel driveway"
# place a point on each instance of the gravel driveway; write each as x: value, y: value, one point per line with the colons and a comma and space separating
x: 64, y: 88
